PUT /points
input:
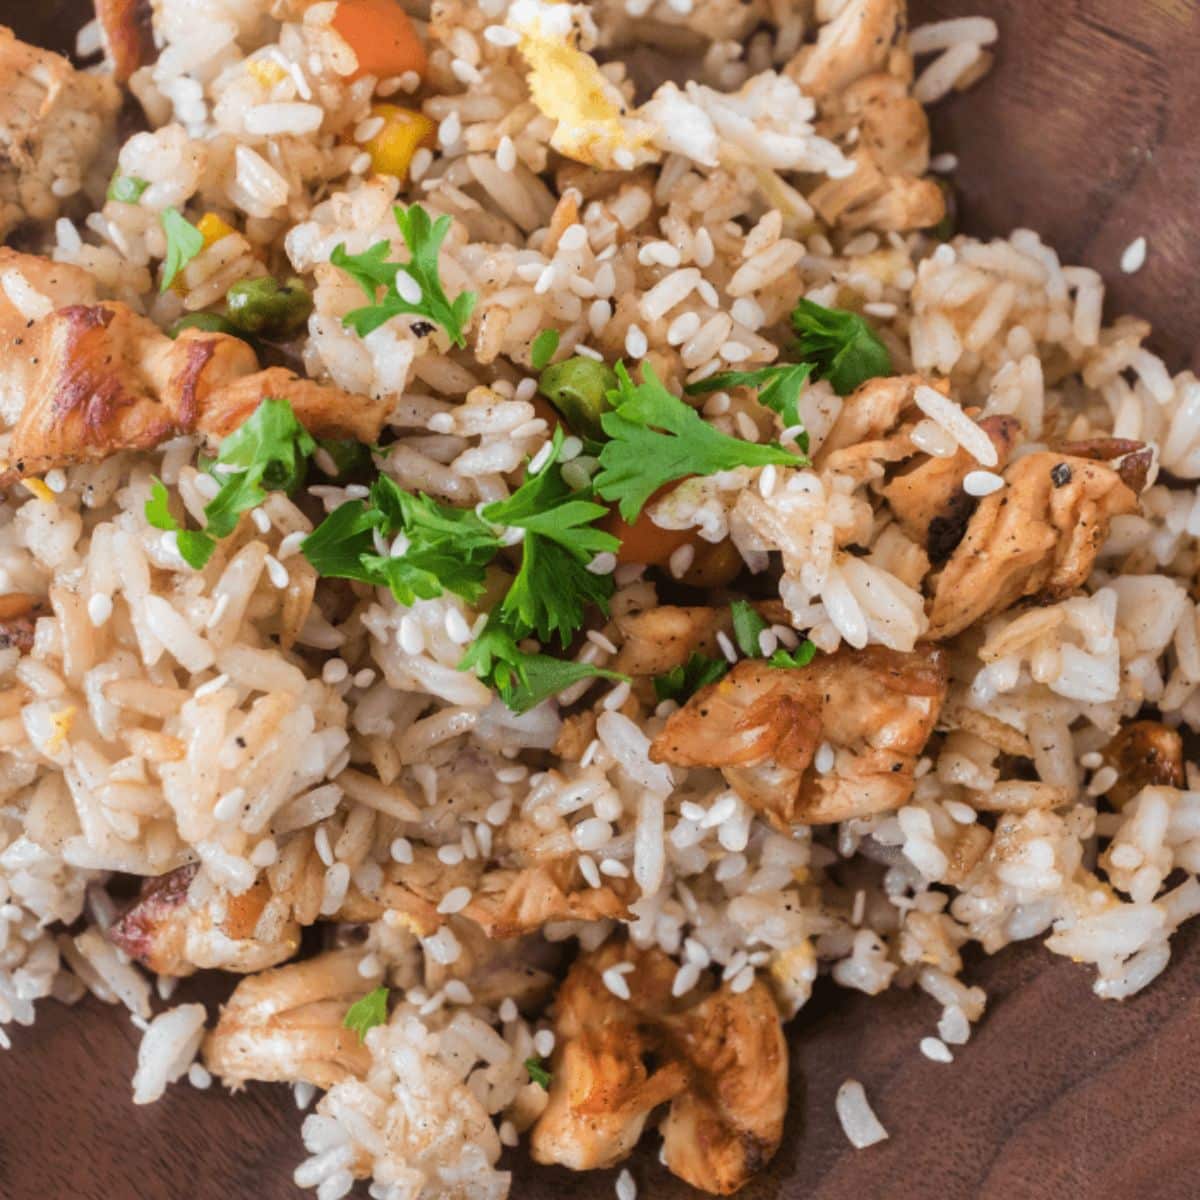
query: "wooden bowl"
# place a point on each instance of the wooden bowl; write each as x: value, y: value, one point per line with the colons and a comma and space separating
x: 1085, y: 131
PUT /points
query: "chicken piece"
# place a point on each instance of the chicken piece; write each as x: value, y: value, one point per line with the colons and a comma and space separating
x: 1037, y: 536
x: 107, y: 379
x: 325, y: 411
x: 286, y: 1025
x: 928, y: 498
x: 128, y: 29
x: 892, y: 125
x: 524, y: 968
x: 1132, y: 459
x: 167, y: 933
x: 720, y: 1061
x: 762, y: 725
x: 656, y: 640
x: 54, y: 121
x: 874, y: 422
x: 1143, y: 753
x: 858, y: 41
x: 42, y: 286
x: 872, y: 199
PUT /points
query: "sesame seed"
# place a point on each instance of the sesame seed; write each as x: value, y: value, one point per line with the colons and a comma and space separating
x: 450, y: 855
x: 401, y: 851
x: 458, y: 992
x: 636, y: 344
x: 598, y: 639
x: 290, y: 544
x: 615, y: 868
x: 614, y: 980
x: 727, y: 647
x: 455, y: 900
x: 767, y: 480
x: 508, y: 1010
x: 743, y: 980
x: 334, y: 671
x: 506, y: 154
x: 450, y: 130
x: 681, y: 560
x: 99, y: 608
x: 616, y: 697
x: 1134, y: 256
x: 464, y: 72
x: 457, y: 629
x: 982, y: 483
x: 574, y: 237
x: 226, y: 807
x: 936, y: 1049
x: 626, y: 1187
x: 501, y: 35
x: 824, y: 759
x: 277, y: 573
x: 56, y: 480
x: 539, y: 460
x: 410, y: 636
x: 685, y: 979
x: 408, y: 288
x: 364, y: 678
x: 603, y: 564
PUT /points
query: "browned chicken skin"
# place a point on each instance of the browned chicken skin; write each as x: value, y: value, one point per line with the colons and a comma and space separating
x: 170, y: 935
x: 762, y: 725
x: 720, y: 1061
x: 1144, y: 753
x: 1037, y: 536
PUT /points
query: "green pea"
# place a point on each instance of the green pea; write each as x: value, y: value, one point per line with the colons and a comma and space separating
x: 209, y: 322
x: 266, y: 307
x: 577, y: 387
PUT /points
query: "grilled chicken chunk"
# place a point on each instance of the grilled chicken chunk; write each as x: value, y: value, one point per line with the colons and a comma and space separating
x: 108, y: 379
x: 128, y: 29
x: 286, y: 1025
x: 857, y: 42
x: 1037, y: 536
x: 762, y: 726
x: 720, y: 1061
x: 1144, y: 753
x: 54, y: 121
x: 105, y: 379
x: 168, y: 934
x: 928, y: 499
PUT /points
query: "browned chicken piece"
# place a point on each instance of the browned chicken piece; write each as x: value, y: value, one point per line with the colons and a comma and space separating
x: 512, y: 902
x: 762, y: 726
x: 325, y: 411
x: 286, y: 1025
x: 872, y: 199
x: 928, y: 498
x: 521, y: 968
x: 167, y: 933
x: 892, y: 125
x: 1132, y: 459
x: 18, y: 620
x: 108, y: 379
x: 859, y: 41
x: 128, y: 29
x: 1143, y: 753
x: 53, y: 285
x: 1037, y: 536
x: 720, y: 1061
x: 874, y: 422
x: 54, y: 121
x: 658, y: 640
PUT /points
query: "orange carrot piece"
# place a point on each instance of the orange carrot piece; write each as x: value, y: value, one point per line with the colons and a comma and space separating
x: 382, y: 36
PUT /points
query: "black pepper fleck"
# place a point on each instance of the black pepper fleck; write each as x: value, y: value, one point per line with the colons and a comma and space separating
x: 421, y: 328
x: 1060, y: 475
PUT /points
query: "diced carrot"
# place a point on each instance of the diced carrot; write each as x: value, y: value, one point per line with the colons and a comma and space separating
x: 645, y: 542
x: 381, y: 36
x: 715, y: 565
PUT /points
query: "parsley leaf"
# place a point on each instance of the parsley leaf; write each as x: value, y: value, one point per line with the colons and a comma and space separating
x: 126, y: 189
x: 368, y: 1012
x: 681, y: 683
x: 195, y: 548
x: 656, y: 439
x: 184, y: 242
x: 747, y: 625
x: 800, y: 657
x: 443, y: 548
x: 841, y: 346
x: 523, y: 680
x: 414, y: 287
x: 538, y: 1073
x: 779, y: 388
x: 543, y: 349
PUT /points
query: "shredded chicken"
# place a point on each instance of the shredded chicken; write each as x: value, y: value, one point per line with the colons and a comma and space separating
x: 874, y: 708
x: 286, y: 1025
x: 128, y: 31
x: 858, y: 41
x: 720, y: 1061
x: 1144, y: 753
x: 171, y: 935
x: 54, y: 121
x: 928, y: 498
x: 106, y: 379
x: 1037, y: 536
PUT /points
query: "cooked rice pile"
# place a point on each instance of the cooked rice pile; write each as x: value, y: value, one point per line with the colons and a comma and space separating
x: 283, y: 752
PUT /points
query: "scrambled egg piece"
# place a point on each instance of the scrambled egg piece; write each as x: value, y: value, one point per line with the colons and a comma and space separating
x: 593, y: 125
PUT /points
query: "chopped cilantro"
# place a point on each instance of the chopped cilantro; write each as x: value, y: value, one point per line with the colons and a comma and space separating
x: 681, y: 683
x: 523, y: 680
x: 656, y: 438
x: 365, y: 1014
x: 840, y: 345
x: 414, y: 287
x: 195, y: 547
x: 268, y: 452
x: 543, y: 349
x: 538, y: 1073
x: 779, y: 388
x: 126, y: 189
x: 184, y: 242
x: 793, y: 659
x: 347, y: 456
x: 747, y: 625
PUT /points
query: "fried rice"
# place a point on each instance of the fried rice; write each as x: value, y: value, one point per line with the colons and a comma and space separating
x: 600, y: 912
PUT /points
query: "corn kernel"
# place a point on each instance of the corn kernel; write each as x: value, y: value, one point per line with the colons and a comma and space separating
x: 214, y: 228
x: 265, y: 71
x: 39, y: 489
x: 393, y: 147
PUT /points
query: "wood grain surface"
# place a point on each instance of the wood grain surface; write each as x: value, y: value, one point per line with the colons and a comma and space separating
x: 1086, y: 131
